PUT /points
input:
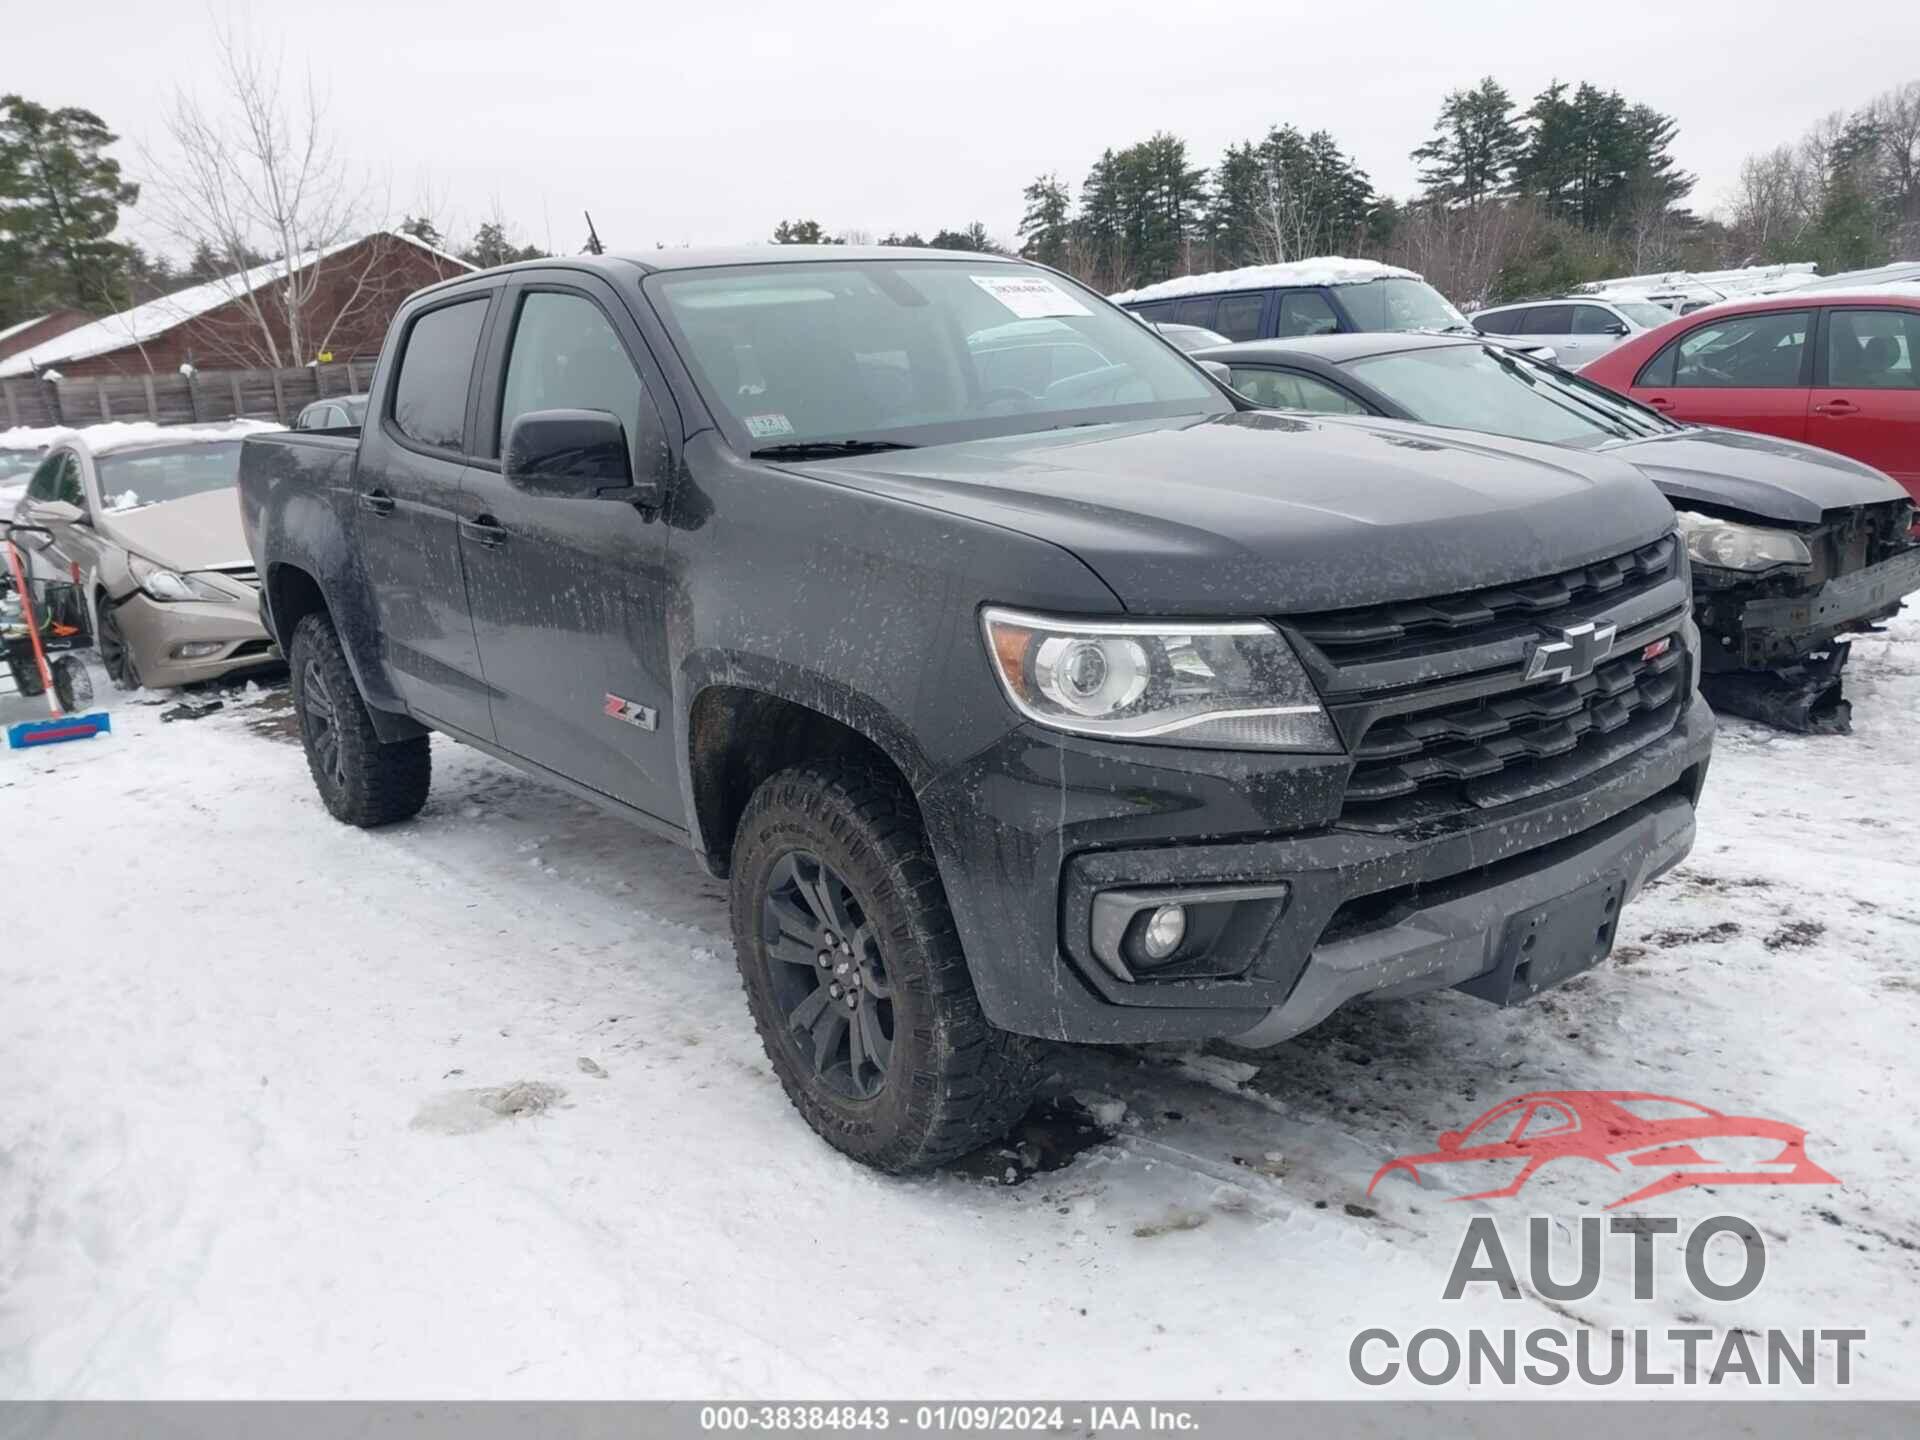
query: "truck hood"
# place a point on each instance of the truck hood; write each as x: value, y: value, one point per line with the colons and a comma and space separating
x: 199, y: 532
x: 1768, y: 477
x: 1264, y: 513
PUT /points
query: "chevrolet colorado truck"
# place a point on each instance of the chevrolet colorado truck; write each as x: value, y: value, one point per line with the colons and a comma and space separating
x: 1024, y: 682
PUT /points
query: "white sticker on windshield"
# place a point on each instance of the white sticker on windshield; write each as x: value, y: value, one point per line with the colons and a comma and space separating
x: 760, y: 427
x: 1031, y: 297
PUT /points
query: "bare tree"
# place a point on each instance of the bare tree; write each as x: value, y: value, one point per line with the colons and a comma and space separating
x: 252, y: 171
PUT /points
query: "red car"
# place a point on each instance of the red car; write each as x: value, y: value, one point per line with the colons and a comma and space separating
x: 1680, y: 1142
x: 1836, y: 369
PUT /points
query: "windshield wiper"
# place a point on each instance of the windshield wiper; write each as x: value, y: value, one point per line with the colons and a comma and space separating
x: 826, y: 449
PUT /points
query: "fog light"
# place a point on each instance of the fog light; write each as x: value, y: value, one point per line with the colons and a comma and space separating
x: 198, y: 649
x: 1164, y: 931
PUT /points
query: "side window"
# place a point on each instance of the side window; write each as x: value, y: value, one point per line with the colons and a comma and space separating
x: 1658, y: 371
x: 1275, y: 389
x: 1306, y: 312
x: 567, y: 356
x: 69, y: 488
x: 1873, y: 349
x: 1158, y: 312
x: 1326, y: 399
x: 45, y: 484
x: 1548, y: 320
x: 430, y: 397
x: 1592, y: 320
x: 1240, y: 316
x: 1763, y: 351
x: 1544, y: 1121
x: 1500, y: 322
x: 1195, y: 312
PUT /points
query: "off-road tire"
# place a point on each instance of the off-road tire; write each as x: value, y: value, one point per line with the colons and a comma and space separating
x: 371, y: 783
x: 953, y: 1081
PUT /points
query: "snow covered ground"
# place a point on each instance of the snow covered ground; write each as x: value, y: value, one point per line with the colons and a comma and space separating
x: 251, y: 1140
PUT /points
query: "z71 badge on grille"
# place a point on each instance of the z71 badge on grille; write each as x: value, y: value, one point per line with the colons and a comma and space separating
x: 633, y: 712
x: 1574, y: 654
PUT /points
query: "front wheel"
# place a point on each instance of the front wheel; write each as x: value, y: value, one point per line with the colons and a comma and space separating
x: 361, y: 781
x: 116, y: 655
x: 855, y: 976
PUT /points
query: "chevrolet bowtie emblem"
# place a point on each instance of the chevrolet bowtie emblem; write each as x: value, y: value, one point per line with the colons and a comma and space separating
x: 1574, y: 654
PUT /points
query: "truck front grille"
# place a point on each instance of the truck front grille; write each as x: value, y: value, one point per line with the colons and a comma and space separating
x: 1471, y: 741
x: 1432, y: 700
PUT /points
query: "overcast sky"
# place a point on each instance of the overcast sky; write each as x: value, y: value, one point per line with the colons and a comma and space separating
x: 709, y: 122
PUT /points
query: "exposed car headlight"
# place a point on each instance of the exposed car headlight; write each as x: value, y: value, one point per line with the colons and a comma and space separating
x: 169, y: 585
x: 1729, y: 545
x: 1235, y: 686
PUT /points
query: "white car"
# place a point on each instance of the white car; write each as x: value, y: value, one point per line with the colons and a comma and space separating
x: 1577, y: 328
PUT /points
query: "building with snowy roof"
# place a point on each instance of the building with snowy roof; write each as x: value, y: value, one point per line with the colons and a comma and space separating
x: 348, y: 294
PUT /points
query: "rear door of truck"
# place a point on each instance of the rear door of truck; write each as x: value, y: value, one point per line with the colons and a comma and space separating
x: 412, y: 469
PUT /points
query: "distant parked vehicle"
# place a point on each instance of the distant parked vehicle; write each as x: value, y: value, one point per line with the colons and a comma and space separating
x: 1577, y: 328
x: 1837, y: 369
x: 147, y: 521
x: 1326, y: 296
x: 1190, y: 337
x: 340, y: 412
x: 1793, y: 548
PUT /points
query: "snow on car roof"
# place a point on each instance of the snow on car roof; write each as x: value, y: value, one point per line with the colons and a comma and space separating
x: 1321, y: 270
x: 129, y: 434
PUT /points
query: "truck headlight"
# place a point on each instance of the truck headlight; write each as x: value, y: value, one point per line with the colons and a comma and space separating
x: 1729, y: 545
x: 1229, y: 686
x: 160, y: 583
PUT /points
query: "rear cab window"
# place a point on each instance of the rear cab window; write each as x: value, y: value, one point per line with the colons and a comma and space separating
x: 429, y: 404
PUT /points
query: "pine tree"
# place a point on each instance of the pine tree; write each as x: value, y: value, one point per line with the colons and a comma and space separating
x: 1475, y: 144
x: 1046, y: 228
x: 801, y: 232
x: 60, y: 199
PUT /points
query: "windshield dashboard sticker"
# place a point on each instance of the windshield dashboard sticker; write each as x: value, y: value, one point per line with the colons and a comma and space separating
x: 1030, y: 297
x: 762, y: 427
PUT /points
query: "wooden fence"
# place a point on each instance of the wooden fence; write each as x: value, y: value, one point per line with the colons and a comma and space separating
x: 206, y: 395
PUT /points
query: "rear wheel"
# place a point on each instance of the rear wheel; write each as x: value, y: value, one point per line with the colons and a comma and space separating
x: 361, y: 781
x: 855, y: 975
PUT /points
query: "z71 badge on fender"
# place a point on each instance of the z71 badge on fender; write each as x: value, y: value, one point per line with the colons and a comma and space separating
x: 633, y: 712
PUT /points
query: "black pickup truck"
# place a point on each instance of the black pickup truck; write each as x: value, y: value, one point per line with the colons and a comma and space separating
x: 1024, y: 680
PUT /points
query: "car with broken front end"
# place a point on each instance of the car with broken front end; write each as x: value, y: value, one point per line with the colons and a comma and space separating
x: 145, y: 521
x: 1023, y: 681
x: 1793, y: 548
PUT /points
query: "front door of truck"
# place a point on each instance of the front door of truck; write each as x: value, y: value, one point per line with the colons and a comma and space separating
x: 569, y: 595
x: 406, y: 517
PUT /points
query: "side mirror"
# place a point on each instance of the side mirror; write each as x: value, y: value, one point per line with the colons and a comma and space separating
x: 1617, y: 327
x: 1219, y: 370
x: 575, y: 455
x: 30, y: 537
x: 57, y: 512
x: 1449, y: 1139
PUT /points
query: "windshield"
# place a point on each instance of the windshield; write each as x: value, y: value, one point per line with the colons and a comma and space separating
x: 1399, y: 305
x: 916, y: 352
x: 1644, y: 312
x: 1478, y: 387
x: 132, y: 478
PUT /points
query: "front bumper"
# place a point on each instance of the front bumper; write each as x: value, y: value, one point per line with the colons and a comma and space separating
x: 155, y: 631
x: 1778, y: 630
x: 1031, y: 830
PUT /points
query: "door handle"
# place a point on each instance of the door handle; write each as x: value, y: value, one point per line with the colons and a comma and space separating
x: 484, y: 530
x: 1836, y: 407
x: 1659, y: 402
x: 378, y: 501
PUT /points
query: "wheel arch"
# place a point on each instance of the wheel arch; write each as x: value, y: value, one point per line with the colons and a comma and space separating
x: 741, y: 728
x: 292, y: 593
